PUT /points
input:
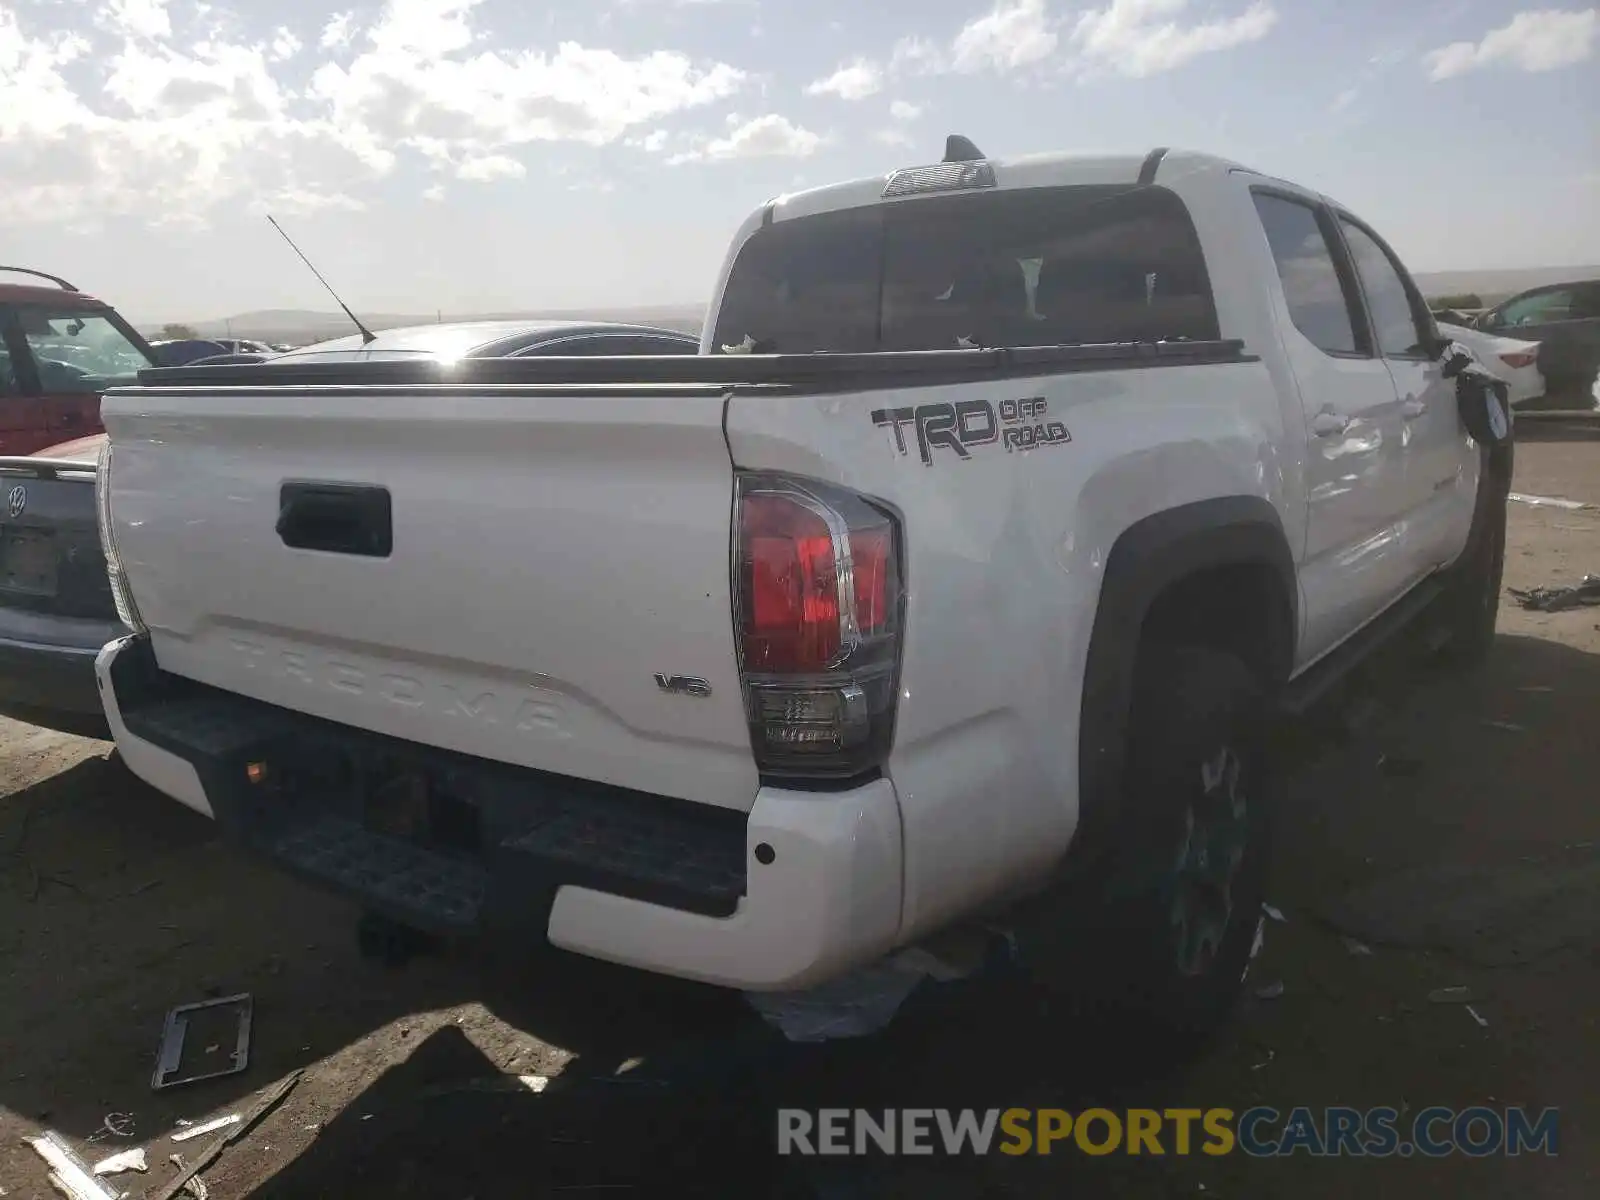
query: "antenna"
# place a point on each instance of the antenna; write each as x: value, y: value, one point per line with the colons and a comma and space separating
x: 959, y: 149
x: 367, y: 336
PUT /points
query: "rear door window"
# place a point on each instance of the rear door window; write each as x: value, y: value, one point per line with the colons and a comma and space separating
x: 1031, y: 267
x: 1395, y: 306
x: 1319, y: 305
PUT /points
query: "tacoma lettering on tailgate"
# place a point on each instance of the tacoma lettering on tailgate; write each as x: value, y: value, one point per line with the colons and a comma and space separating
x: 475, y: 704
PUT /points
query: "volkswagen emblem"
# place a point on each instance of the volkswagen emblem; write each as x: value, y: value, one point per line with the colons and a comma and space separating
x: 17, y: 500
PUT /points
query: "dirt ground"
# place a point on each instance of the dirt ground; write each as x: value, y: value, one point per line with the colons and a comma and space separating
x: 1453, y: 827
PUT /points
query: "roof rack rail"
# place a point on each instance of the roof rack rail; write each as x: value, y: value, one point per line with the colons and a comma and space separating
x: 55, y: 279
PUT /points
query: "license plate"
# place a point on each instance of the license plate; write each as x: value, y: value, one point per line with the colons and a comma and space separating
x: 28, y: 562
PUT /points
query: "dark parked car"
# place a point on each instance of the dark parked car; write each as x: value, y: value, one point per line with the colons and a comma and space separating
x: 1564, y: 318
x: 56, y: 609
x: 503, y: 339
x: 56, y: 606
x: 181, y: 352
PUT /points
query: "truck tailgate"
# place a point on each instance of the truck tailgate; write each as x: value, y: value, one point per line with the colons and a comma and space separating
x: 553, y: 550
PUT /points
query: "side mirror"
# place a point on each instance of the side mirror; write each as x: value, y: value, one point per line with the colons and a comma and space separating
x: 1456, y: 359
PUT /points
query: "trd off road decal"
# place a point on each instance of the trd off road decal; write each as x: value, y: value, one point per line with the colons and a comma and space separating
x: 1019, y: 425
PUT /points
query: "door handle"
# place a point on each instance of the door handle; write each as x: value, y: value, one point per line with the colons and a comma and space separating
x: 1412, y: 409
x: 336, y: 518
x: 1328, y: 423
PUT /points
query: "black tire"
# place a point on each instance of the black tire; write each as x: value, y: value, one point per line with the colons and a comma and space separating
x: 1472, y: 601
x: 1162, y: 934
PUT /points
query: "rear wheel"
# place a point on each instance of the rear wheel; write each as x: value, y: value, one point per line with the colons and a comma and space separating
x: 1158, y: 943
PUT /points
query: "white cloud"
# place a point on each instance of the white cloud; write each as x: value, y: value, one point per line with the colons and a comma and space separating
x: 769, y: 136
x: 1010, y: 35
x: 337, y: 32
x: 1344, y: 99
x: 137, y: 18
x: 167, y: 113
x: 285, y: 45
x: 490, y: 166
x: 853, y: 81
x: 902, y: 110
x: 1542, y: 40
x: 1138, y: 38
x: 1135, y: 38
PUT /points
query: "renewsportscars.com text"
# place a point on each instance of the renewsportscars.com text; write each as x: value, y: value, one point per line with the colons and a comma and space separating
x: 1257, y: 1132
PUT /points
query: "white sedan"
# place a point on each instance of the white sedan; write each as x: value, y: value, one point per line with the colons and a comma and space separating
x: 1514, y: 361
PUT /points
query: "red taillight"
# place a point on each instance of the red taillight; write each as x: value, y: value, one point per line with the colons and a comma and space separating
x: 1520, y: 358
x: 818, y: 581
x: 793, y: 622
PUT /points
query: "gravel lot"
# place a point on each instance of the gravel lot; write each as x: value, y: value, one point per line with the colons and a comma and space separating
x: 116, y: 904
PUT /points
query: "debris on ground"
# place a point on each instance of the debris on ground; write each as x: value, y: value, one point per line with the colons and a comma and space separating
x: 194, y: 1131
x: 69, y: 1174
x: 1450, y: 995
x: 269, y: 1100
x: 1270, y: 991
x: 866, y: 1000
x: 1271, y: 1054
x: 1548, y: 502
x: 1508, y: 726
x: 127, y: 1160
x: 1582, y: 594
x: 113, y: 1124
x: 1359, y: 949
x: 170, y: 1056
x: 194, y: 1185
x: 1275, y: 913
x: 1473, y: 1013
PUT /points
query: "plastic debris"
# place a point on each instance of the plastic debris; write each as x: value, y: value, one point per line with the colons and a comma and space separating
x: 1260, y: 938
x: 128, y: 1160
x: 1508, y: 726
x: 1558, y: 599
x: 1474, y: 1014
x: 1450, y: 995
x: 1359, y: 949
x: 1270, y: 991
x: 69, y: 1174
x: 1275, y: 913
x: 194, y: 1131
x: 1271, y: 1054
x: 1548, y: 502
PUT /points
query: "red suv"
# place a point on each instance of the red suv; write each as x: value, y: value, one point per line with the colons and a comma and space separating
x: 59, y: 350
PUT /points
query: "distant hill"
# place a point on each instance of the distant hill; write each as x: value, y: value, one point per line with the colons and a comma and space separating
x: 1494, y: 286
x: 299, y: 326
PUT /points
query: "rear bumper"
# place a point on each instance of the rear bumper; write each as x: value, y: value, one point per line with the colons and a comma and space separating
x: 803, y: 887
x: 47, y: 672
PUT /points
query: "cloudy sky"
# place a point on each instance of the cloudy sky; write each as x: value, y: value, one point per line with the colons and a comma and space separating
x: 491, y: 154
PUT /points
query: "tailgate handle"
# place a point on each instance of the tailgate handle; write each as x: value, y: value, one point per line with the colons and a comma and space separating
x: 337, y: 518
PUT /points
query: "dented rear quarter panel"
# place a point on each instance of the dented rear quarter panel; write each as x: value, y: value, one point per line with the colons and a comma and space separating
x: 1005, y: 552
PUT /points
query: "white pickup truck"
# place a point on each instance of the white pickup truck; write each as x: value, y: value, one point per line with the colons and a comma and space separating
x: 957, y: 579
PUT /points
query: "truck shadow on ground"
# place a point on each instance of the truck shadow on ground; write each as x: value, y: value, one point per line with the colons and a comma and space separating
x: 122, y: 904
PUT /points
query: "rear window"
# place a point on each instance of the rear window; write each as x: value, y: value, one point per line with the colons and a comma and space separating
x: 1032, y: 267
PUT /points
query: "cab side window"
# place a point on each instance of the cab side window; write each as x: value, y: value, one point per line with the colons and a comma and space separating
x: 1392, y: 302
x: 1318, y: 303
